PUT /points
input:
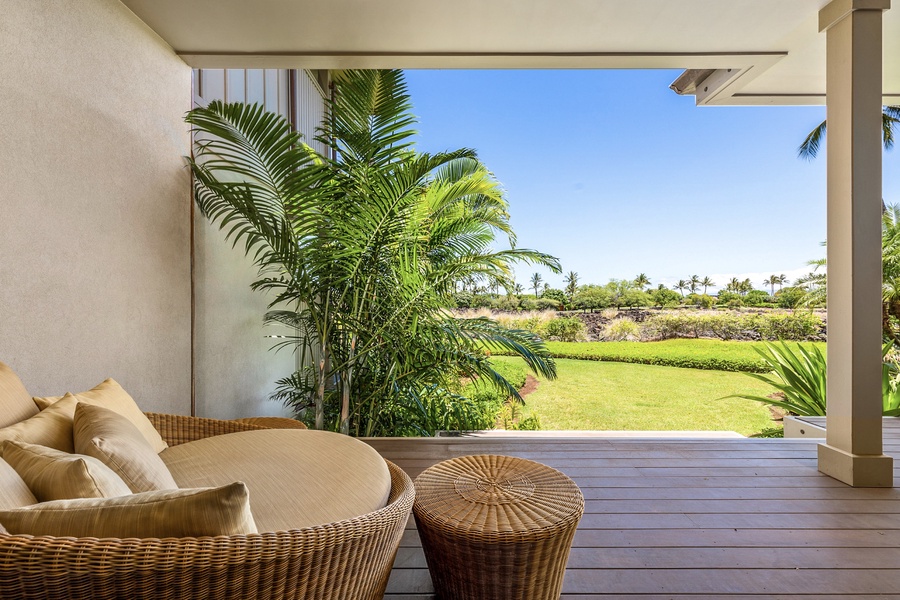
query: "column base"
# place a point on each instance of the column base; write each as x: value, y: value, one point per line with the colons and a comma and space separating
x: 857, y: 470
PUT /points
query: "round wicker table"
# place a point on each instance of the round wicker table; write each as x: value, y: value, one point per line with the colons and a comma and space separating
x: 496, y: 527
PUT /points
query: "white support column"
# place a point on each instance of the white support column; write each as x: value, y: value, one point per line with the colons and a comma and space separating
x: 853, y: 449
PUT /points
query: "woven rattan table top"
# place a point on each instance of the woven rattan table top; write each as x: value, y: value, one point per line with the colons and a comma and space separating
x: 491, y: 496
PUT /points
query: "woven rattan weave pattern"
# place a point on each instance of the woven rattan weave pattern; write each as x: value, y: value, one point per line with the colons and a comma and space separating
x: 345, y: 560
x: 496, y: 527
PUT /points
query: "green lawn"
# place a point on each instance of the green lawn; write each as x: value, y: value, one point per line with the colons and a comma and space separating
x: 690, y: 353
x: 619, y: 396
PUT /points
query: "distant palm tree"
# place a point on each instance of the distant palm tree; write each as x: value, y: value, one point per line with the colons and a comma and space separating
x: 734, y: 285
x: 772, y: 281
x: 536, y: 281
x: 694, y: 283
x: 571, y: 284
x: 890, y: 118
x: 782, y: 281
x: 706, y: 283
x: 518, y: 289
x: 681, y: 286
x: 746, y: 286
x: 641, y: 281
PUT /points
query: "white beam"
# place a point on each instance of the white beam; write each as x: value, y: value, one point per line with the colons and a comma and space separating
x: 853, y: 449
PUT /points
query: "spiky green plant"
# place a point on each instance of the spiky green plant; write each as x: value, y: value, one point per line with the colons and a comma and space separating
x: 360, y: 251
x: 800, y: 377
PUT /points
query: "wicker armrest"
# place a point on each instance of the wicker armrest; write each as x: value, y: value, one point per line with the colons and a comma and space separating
x: 273, y: 422
x: 179, y: 429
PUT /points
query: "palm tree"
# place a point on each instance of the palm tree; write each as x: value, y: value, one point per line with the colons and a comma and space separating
x: 681, y: 286
x: 745, y: 286
x: 518, y: 289
x: 734, y: 285
x: 642, y: 281
x: 706, y: 283
x: 571, y: 280
x: 890, y: 118
x: 772, y: 280
x: 361, y: 251
x: 694, y: 283
x: 782, y: 281
x: 536, y: 281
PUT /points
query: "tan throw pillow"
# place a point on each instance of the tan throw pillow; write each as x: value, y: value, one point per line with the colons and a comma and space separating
x: 194, y: 512
x: 110, y: 394
x: 14, y: 491
x: 116, y: 442
x: 54, y: 475
x: 43, y: 402
x: 51, y: 427
x: 13, y: 407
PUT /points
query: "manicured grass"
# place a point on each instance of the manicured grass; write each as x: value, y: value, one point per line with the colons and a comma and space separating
x: 617, y: 396
x: 697, y: 354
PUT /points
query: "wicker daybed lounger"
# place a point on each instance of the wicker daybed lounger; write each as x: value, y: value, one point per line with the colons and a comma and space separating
x: 343, y: 560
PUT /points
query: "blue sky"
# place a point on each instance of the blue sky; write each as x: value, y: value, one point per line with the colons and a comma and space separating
x: 615, y: 174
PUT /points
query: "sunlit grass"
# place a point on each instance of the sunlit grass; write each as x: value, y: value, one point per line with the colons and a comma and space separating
x: 620, y: 396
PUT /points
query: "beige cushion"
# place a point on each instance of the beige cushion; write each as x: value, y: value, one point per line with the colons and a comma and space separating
x: 13, y: 394
x: 170, y: 513
x: 111, y: 395
x: 14, y: 491
x: 298, y: 478
x: 43, y: 402
x: 116, y: 442
x: 51, y: 427
x: 54, y: 475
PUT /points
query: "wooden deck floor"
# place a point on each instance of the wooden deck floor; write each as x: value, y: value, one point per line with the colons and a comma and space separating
x: 680, y: 519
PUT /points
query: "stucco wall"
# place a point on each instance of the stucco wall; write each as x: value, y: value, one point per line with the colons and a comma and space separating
x: 94, y: 202
x: 235, y: 368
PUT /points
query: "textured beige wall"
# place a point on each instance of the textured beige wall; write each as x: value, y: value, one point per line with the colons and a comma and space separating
x: 94, y: 202
x: 235, y: 368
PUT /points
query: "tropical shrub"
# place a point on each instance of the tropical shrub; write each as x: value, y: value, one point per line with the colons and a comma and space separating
x: 592, y: 297
x: 563, y: 329
x: 758, y: 298
x: 799, y: 374
x: 799, y: 325
x: 665, y: 297
x: 557, y: 295
x: 507, y: 303
x: 622, y: 329
x: 532, y: 303
x: 691, y: 354
x: 705, y: 301
x: 792, y: 297
x: 360, y: 249
x: 633, y: 298
x: 512, y: 419
x: 725, y: 297
x: 464, y: 300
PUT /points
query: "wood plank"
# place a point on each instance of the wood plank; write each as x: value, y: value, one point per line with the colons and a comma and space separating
x: 740, y: 521
x: 731, y: 493
x: 657, y: 505
x: 732, y: 581
x: 720, y: 538
x: 708, y: 558
x: 723, y: 558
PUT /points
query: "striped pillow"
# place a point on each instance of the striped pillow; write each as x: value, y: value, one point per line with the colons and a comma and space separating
x: 196, y: 512
x: 54, y: 475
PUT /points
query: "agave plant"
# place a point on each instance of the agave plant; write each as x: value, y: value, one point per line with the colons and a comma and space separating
x: 800, y: 377
x: 361, y: 248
